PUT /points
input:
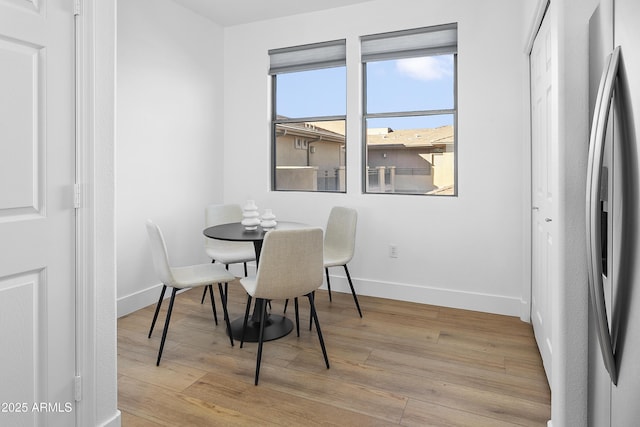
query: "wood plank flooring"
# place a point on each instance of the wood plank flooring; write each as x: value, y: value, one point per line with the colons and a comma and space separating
x: 402, y: 364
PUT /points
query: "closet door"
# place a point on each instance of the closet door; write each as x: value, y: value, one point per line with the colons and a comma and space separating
x: 37, y: 215
x: 544, y: 184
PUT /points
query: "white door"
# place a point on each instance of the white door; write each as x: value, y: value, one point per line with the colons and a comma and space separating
x: 543, y: 169
x: 37, y: 218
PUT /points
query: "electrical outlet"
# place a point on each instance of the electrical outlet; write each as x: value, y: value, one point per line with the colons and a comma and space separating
x: 393, y: 251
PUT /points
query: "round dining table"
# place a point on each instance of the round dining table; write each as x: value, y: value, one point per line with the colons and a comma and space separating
x: 277, y: 326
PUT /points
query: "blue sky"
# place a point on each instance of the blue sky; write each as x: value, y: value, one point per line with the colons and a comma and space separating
x: 410, y: 84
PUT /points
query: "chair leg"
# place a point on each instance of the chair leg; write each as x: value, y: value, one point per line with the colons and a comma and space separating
x: 204, y: 294
x: 166, y: 325
x: 223, y: 297
x: 155, y: 315
x: 353, y: 291
x: 213, y: 304
x: 286, y: 303
x: 245, y: 269
x: 295, y: 303
x: 326, y: 271
x: 246, y: 316
x: 204, y: 291
x: 315, y: 319
x: 263, y: 320
x: 310, y: 316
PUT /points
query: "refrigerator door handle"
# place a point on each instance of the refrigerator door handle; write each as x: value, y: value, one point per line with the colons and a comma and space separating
x: 594, y: 179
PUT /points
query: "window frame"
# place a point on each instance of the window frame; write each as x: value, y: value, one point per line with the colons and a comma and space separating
x: 409, y: 113
x: 275, y: 120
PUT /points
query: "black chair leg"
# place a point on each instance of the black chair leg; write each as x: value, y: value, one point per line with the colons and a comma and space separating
x: 226, y: 285
x: 166, y: 325
x: 315, y: 319
x: 263, y: 320
x: 245, y: 269
x: 326, y: 271
x: 353, y: 291
x: 286, y: 303
x: 310, y: 316
x: 204, y: 292
x: 155, y: 315
x: 295, y: 303
x: 223, y: 297
x: 246, y: 316
x: 213, y: 304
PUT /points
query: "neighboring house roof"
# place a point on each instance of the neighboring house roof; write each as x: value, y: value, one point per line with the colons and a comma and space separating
x: 329, y: 131
x: 336, y: 126
x: 334, y: 131
x: 410, y: 138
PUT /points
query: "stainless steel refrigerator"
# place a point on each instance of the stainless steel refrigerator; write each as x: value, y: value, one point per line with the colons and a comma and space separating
x: 613, y: 215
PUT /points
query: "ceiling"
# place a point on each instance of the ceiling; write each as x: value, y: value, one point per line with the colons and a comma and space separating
x: 234, y: 12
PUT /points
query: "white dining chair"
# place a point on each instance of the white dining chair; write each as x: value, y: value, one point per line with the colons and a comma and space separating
x: 222, y: 251
x: 339, y: 246
x: 340, y: 243
x: 290, y: 266
x: 183, y: 277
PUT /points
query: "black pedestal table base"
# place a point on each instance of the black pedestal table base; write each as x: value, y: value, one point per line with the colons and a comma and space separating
x: 276, y: 327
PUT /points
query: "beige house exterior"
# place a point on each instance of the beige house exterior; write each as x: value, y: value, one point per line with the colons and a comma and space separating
x: 310, y: 156
x: 411, y: 160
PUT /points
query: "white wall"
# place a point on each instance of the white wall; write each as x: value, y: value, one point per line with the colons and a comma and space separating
x: 570, y: 309
x: 169, y: 138
x: 464, y: 251
x: 96, y: 344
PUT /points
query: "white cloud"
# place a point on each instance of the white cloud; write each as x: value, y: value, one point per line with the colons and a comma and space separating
x: 424, y: 68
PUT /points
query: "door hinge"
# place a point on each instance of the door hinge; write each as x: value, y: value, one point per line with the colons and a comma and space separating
x: 76, y: 196
x: 78, y: 388
x: 77, y: 7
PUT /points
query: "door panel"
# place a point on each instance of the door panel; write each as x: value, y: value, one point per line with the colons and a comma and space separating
x: 37, y: 218
x: 21, y: 65
x: 543, y: 182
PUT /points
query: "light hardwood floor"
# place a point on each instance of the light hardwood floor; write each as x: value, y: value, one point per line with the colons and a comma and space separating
x: 402, y: 364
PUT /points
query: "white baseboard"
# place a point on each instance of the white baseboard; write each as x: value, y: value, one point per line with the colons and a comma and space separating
x: 115, y: 421
x: 430, y: 295
x: 398, y: 291
x: 141, y: 299
x: 136, y: 301
x: 525, y: 311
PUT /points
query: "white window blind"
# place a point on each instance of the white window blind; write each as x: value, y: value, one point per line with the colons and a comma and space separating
x: 437, y: 40
x: 308, y: 57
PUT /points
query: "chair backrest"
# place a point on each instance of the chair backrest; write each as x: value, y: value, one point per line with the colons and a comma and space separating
x: 290, y: 263
x: 340, y: 236
x: 159, y: 253
x: 221, y: 214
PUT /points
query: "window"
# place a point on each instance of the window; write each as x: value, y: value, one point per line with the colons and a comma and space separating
x: 409, y: 121
x: 309, y: 117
